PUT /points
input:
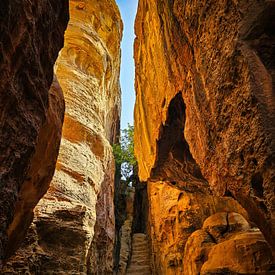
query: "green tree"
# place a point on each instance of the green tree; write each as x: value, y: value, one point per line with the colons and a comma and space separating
x: 124, y: 153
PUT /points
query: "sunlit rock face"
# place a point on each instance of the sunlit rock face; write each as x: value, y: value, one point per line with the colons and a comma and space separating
x: 174, y: 214
x: 227, y: 244
x: 204, y: 111
x: 31, y: 35
x: 193, y: 231
x: 73, y: 228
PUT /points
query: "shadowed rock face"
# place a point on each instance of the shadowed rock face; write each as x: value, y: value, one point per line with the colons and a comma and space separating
x: 73, y: 229
x: 31, y: 35
x: 215, y: 59
x: 175, y: 212
x: 41, y: 169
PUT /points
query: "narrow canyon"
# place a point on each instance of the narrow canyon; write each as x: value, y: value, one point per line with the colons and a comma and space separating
x: 199, y: 199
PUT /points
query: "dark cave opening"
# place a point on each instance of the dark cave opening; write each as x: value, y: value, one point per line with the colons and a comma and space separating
x: 257, y: 185
x: 174, y: 159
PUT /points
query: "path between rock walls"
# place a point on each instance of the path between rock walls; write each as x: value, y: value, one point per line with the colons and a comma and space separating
x: 140, y: 260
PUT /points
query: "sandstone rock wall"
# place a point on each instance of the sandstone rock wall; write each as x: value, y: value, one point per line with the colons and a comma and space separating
x: 227, y: 244
x: 41, y: 169
x: 31, y: 35
x: 176, y: 212
x: 204, y: 112
x: 73, y: 228
x: 125, y: 232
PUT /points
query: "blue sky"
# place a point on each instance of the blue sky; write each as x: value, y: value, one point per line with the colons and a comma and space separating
x: 128, y: 10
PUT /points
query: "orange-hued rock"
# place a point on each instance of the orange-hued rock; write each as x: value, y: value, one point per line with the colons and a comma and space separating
x: 73, y: 230
x: 205, y: 99
x: 31, y: 35
x: 227, y: 245
x: 174, y: 214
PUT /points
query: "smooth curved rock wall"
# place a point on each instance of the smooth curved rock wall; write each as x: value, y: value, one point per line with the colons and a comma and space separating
x: 31, y: 35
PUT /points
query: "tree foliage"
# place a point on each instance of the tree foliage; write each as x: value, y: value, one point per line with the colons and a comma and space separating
x: 124, y: 152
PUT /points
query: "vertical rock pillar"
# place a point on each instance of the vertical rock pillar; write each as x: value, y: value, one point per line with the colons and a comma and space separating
x: 75, y: 219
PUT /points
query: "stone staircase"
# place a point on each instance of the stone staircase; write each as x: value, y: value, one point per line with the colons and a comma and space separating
x: 140, y: 260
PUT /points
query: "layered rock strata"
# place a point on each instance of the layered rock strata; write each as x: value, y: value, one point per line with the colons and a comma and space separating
x: 41, y: 169
x: 31, y: 35
x: 204, y: 111
x: 73, y: 228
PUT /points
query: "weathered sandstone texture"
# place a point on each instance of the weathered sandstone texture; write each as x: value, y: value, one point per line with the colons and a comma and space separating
x: 41, y: 168
x: 125, y: 233
x: 174, y: 214
x: 227, y: 244
x: 73, y: 228
x: 31, y: 35
x: 204, y: 112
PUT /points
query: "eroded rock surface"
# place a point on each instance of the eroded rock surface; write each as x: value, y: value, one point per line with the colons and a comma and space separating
x: 73, y: 228
x: 174, y: 214
x: 204, y: 112
x: 31, y: 35
x: 227, y: 244
x: 125, y: 233
x: 41, y: 169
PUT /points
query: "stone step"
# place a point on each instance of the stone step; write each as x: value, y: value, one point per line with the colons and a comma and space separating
x: 140, y: 260
x: 140, y: 242
x: 146, y: 272
x: 140, y: 250
x: 141, y: 269
x: 141, y: 255
x: 144, y: 254
x: 140, y: 272
x: 137, y: 244
x: 139, y: 239
x: 136, y: 235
